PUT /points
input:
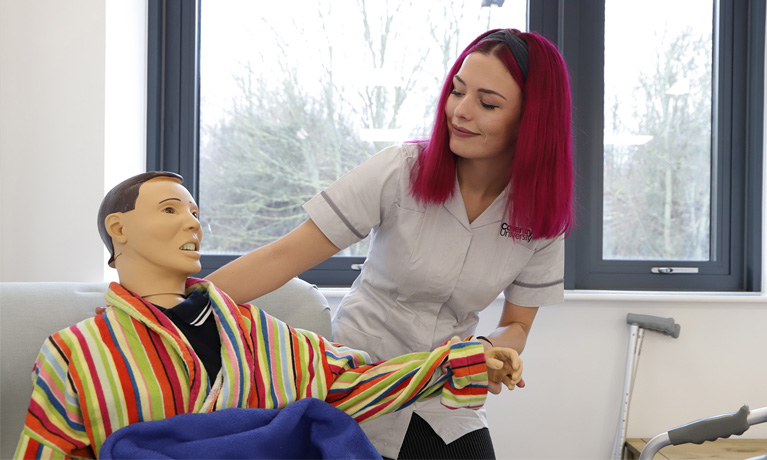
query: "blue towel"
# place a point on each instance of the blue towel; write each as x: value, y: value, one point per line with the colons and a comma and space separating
x: 308, y: 428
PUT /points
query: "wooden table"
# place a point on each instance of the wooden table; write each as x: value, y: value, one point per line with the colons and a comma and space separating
x: 722, y: 448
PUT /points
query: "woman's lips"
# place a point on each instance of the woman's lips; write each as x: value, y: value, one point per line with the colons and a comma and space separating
x: 461, y: 132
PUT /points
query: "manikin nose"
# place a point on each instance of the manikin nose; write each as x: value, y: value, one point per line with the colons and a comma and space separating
x: 192, y: 221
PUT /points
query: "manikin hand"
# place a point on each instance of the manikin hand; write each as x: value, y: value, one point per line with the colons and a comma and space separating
x: 503, y: 367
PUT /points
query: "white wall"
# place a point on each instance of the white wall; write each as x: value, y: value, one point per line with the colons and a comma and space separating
x: 575, y: 364
x: 72, y: 124
x: 125, y: 99
x: 576, y: 358
x: 72, y: 78
x: 51, y: 138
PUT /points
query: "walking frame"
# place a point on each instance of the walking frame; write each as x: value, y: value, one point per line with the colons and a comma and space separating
x: 707, y: 429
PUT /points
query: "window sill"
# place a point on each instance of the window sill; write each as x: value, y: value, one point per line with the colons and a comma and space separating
x: 660, y: 296
x: 630, y: 296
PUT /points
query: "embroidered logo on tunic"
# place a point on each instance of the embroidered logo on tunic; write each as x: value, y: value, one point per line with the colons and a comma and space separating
x: 518, y: 233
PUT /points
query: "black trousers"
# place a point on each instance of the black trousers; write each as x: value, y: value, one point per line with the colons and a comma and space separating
x: 422, y: 442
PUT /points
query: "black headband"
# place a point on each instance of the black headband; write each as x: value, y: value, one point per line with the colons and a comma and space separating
x: 516, y: 44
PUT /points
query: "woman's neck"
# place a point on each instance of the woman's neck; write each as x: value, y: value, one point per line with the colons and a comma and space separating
x: 480, y: 184
x: 482, y: 179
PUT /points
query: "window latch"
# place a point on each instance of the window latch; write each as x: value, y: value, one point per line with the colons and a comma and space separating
x: 674, y: 270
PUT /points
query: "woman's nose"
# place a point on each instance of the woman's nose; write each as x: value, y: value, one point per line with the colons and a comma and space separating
x: 462, y: 109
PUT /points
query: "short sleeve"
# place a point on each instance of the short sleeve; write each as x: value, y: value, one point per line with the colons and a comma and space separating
x: 347, y: 210
x: 541, y: 282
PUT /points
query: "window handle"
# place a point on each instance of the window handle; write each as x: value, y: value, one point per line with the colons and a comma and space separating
x: 674, y: 270
x: 356, y: 267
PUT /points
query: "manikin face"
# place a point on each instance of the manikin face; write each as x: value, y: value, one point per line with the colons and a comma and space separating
x: 163, y: 231
x: 484, y: 109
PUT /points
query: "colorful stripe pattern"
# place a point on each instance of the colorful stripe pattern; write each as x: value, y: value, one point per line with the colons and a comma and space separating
x: 132, y: 364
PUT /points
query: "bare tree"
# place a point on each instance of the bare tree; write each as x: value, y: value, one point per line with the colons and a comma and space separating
x: 657, y: 195
x: 282, y: 143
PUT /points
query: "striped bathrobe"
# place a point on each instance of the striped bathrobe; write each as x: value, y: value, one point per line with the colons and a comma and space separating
x: 132, y: 364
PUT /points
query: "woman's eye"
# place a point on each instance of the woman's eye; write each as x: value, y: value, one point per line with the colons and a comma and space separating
x: 456, y: 93
x: 489, y: 106
x: 169, y: 210
x: 196, y: 215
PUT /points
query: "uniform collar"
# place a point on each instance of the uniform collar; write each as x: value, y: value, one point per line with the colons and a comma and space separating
x: 492, y: 215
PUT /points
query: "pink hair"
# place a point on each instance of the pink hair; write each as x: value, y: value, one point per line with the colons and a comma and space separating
x: 541, y: 173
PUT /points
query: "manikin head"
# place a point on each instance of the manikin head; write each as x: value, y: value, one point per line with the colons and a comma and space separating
x: 122, y: 198
x: 150, y: 225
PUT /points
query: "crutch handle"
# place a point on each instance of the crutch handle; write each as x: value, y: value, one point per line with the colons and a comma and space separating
x: 655, y: 323
x: 712, y: 428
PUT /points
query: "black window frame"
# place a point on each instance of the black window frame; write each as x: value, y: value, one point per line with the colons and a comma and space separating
x: 578, y: 30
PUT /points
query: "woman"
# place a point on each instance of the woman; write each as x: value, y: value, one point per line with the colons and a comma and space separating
x: 480, y: 208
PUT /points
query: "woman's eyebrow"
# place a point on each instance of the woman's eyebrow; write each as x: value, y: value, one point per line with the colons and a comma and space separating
x: 481, y: 90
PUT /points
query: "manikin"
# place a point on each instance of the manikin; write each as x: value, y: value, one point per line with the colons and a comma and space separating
x: 144, y: 358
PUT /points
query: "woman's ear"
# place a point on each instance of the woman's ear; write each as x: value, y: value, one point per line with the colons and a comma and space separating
x: 114, y: 226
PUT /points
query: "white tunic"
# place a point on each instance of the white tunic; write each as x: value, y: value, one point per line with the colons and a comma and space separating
x: 428, y: 274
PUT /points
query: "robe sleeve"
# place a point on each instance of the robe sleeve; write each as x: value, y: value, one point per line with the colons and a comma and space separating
x: 54, y: 425
x: 455, y: 372
x: 295, y: 363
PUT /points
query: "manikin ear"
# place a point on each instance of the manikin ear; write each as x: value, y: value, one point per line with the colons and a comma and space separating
x: 114, y: 226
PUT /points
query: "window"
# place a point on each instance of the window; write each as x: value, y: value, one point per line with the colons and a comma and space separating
x: 329, y: 84
x: 261, y: 106
x: 669, y: 161
x: 656, y: 170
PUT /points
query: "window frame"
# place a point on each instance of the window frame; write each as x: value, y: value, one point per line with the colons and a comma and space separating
x: 578, y: 29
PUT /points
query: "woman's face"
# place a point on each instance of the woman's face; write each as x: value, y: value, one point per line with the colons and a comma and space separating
x: 484, y: 109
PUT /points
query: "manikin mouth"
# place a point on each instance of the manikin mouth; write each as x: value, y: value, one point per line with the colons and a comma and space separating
x: 189, y: 247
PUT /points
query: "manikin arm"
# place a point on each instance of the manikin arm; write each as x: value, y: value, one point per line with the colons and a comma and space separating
x: 348, y: 379
x: 455, y: 371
